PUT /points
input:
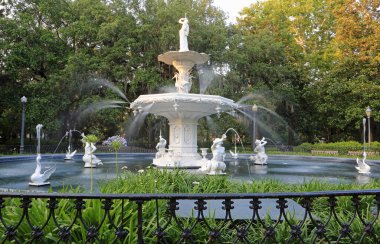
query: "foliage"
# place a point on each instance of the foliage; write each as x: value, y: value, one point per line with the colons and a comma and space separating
x: 90, y: 138
x: 341, y: 147
x: 63, y: 51
x: 335, y: 61
x: 79, y: 63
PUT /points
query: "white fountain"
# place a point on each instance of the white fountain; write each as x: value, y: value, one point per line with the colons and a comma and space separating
x: 38, y: 178
x: 363, y: 167
x: 182, y: 109
x: 70, y: 154
x: 235, y: 154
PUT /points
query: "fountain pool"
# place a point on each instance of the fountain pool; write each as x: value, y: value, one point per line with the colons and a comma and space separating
x: 288, y: 169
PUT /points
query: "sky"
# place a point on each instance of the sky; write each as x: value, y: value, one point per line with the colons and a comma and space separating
x: 233, y: 7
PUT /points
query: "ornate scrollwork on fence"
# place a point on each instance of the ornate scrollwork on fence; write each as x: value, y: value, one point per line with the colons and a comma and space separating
x: 322, y: 217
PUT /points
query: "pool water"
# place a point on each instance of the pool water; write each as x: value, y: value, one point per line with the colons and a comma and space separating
x: 15, y: 172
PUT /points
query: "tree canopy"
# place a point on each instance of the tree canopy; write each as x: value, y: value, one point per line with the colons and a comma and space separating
x: 314, y: 63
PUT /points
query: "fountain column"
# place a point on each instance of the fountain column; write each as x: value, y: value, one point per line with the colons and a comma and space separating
x: 183, y: 138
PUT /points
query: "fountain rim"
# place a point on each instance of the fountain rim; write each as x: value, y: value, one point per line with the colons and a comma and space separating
x: 183, y: 97
x: 191, y: 56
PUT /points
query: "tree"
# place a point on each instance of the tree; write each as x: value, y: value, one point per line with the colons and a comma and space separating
x: 67, y: 56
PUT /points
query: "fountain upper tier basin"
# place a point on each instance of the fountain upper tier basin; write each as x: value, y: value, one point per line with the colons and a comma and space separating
x: 175, y: 57
x: 183, y: 105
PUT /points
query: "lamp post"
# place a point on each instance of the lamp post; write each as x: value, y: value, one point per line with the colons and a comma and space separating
x: 254, y: 110
x: 368, y: 112
x: 364, y: 126
x: 23, y: 102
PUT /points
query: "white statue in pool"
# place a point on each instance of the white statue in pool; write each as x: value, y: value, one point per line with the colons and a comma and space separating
x: 89, y: 159
x: 183, y: 33
x: 70, y: 154
x: 362, y: 167
x: 38, y: 178
x: 216, y: 166
x: 261, y: 157
x: 161, y: 147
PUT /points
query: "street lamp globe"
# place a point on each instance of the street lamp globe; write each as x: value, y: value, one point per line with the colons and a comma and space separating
x: 254, y: 108
x: 23, y: 99
x: 368, y: 112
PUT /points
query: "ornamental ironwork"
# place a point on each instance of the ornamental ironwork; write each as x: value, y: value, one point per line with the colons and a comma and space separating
x: 307, y: 217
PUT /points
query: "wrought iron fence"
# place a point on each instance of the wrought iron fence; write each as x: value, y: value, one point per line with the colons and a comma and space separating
x: 321, y: 217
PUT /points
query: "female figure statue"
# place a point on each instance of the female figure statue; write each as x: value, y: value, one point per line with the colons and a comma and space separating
x: 183, y: 33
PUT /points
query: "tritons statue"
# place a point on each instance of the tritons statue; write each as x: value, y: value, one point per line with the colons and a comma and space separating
x: 261, y: 157
x: 216, y: 166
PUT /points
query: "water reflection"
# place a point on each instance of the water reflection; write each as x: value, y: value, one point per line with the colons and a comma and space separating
x: 363, y: 179
x: 258, y: 169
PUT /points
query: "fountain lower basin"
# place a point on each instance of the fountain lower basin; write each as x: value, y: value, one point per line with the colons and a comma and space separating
x: 183, y: 110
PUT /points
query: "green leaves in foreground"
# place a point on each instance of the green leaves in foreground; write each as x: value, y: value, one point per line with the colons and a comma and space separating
x: 152, y: 180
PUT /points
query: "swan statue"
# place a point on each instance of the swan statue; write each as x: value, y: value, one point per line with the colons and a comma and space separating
x: 69, y: 154
x: 362, y: 167
x: 234, y: 155
x: 38, y: 178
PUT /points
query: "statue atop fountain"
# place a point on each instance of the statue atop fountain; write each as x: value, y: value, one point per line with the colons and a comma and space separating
x: 161, y: 147
x: 38, y: 178
x: 182, y: 108
x: 89, y: 159
x: 216, y: 166
x: 183, y: 33
x: 261, y: 157
x: 183, y: 60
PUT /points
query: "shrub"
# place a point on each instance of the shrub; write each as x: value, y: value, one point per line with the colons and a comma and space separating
x: 341, y: 147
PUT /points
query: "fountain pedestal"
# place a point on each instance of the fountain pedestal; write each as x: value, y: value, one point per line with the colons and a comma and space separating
x: 182, y: 145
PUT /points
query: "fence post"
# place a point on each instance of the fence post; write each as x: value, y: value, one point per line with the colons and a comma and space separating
x: 140, y: 236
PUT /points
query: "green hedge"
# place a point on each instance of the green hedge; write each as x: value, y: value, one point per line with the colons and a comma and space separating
x: 341, y: 147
